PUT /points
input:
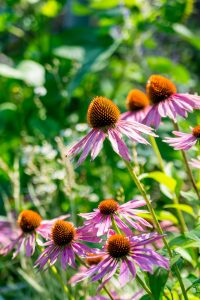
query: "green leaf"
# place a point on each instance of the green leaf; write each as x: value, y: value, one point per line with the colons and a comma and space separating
x: 195, y: 282
x: 166, y: 215
x: 175, y: 259
x: 184, y: 254
x: 162, y: 178
x: 164, y: 65
x: 187, y: 35
x: 184, y: 207
x: 194, y: 234
x: 157, y: 282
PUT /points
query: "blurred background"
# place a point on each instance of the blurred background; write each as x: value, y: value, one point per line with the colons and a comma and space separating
x: 55, y: 56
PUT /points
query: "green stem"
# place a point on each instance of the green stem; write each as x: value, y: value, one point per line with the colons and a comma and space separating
x: 176, y: 127
x: 60, y: 280
x: 115, y: 226
x: 157, y: 152
x: 183, y: 226
x: 156, y: 223
x: 145, y: 287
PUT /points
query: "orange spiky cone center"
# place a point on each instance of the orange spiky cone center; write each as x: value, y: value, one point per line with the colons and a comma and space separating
x: 136, y: 100
x: 62, y: 233
x: 196, y: 131
x: 102, y: 112
x: 108, y: 206
x: 159, y: 88
x: 118, y: 246
x: 29, y: 220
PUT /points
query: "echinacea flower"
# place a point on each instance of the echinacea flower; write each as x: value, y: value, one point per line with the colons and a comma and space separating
x: 166, y: 102
x: 24, y: 233
x: 65, y: 242
x: 124, y: 253
x: 184, y: 141
x: 104, y: 118
x: 137, y: 105
x: 100, y: 221
x: 195, y: 163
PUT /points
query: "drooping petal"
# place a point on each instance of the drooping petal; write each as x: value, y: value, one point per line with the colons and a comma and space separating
x: 124, y: 274
x: 97, y: 146
x: 118, y: 145
x: 88, y: 146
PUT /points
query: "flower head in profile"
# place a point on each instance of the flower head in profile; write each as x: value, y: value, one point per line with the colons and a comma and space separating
x: 23, y: 233
x: 104, y: 118
x: 125, y: 253
x: 183, y: 140
x: 65, y: 242
x: 100, y: 221
x: 195, y: 163
x: 137, y: 105
x: 166, y: 102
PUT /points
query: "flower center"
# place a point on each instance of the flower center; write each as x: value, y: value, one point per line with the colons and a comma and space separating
x: 62, y: 233
x: 102, y: 112
x: 136, y: 100
x: 118, y: 246
x: 108, y: 207
x: 159, y: 88
x: 93, y: 259
x: 29, y: 220
x: 196, y: 131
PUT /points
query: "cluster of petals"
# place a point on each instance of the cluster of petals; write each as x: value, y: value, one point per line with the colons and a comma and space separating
x: 168, y: 102
x: 12, y: 236
x: 138, y: 255
x: 100, y: 220
x: 183, y: 140
x: 66, y: 252
x: 93, y: 141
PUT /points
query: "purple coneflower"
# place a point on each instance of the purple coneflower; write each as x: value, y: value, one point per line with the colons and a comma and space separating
x: 100, y: 221
x: 184, y: 141
x: 137, y: 104
x: 104, y: 118
x: 166, y: 102
x: 195, y: 163
x: 125, y: 253
x: 28, y: 224
x: 65, y: 242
